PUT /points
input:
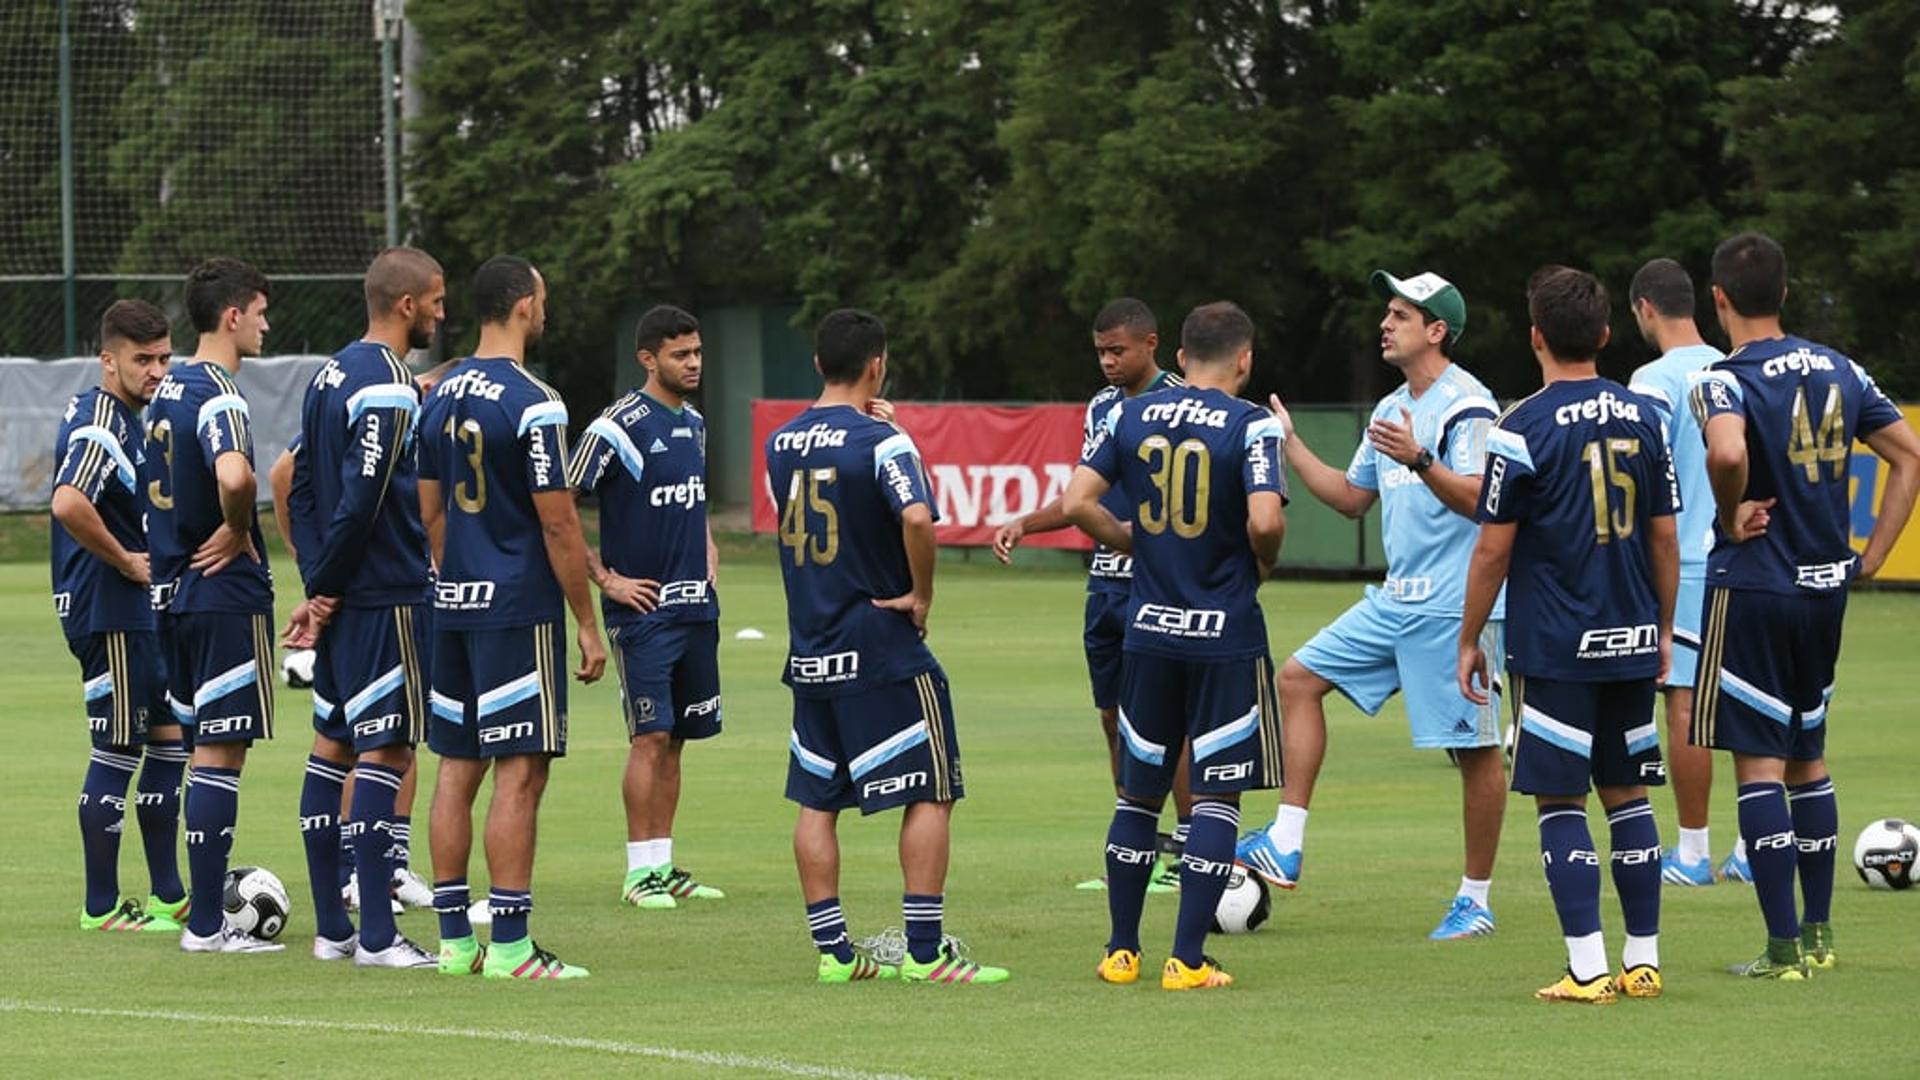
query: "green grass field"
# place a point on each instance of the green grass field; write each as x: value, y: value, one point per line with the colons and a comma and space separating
x: 1341, y: 982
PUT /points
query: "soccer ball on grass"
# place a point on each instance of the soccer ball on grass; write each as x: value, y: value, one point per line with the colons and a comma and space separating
x: 256, y: 903
x: 1885, y: 853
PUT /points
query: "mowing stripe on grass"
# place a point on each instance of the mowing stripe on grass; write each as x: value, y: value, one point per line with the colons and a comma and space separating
x: 524, y: 1038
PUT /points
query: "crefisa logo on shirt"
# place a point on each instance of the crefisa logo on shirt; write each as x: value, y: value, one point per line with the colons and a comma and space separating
x: 898, y: 480
x: 805, y: 441
x: 689, y: 493
x: 1601, y: 408
x: 539, y: 457
x: 1184, y: 411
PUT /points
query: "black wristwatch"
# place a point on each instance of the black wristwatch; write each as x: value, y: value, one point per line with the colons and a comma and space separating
x: 1423, y: 462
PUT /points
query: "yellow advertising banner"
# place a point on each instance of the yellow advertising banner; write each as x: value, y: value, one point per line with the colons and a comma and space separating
x: 1867, y: 475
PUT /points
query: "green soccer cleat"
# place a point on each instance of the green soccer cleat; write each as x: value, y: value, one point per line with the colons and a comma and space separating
x: 461, y: 956
x: 175, y: 912
x: 950, y: 967
x: 1098, y: 884
x: 1816, y: 944
x: 1166, y: 878
x: 682, y: 886
x: 524, y: 959
x: 1783, y: 960
x: 128, y: 918
x: 647, y: 890
x: 859, y: 969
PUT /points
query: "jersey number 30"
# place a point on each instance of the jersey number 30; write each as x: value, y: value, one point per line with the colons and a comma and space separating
x: 1183, y: 510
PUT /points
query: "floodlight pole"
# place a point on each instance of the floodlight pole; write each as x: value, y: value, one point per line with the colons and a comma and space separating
x: 387, y: 15
x: 67, y: 261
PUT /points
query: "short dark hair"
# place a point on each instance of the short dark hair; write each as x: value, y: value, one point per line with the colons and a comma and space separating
x: 660, y: 323
x: 398, y: 272
x: 219, y: 284
x: 500, y: 283
x: 1752, y: 270
x: 1664, y: 284
x: 846, y: 341
x: 133, y: 321
x: 1215, y: 331
x: 1126, y: 313
x: 1570, y: 309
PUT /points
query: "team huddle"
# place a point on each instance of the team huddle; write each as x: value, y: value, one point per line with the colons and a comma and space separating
x: 1579, y: 553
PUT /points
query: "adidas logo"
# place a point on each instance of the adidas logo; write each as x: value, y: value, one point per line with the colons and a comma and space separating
x: 1462, y: 727
x: 658, y: 447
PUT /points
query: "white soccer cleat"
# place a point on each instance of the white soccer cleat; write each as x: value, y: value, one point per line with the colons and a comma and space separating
x: 401, y: 954
x: 351, y: 896
x: 226, y: 940
x: 480, y: 914
x: 325, y: 948
x: 410, y: 889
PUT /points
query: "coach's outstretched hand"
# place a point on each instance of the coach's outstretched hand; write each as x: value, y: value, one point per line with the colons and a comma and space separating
x: 593, y: 654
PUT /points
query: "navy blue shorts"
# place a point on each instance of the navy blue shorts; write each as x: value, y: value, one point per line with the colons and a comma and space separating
x: 876, y: 750
x: 220, y: 675
x: 1105, y: 630
x: 497, y: 693
x: 1574, y: 735
x: 124, y: 680
x: 1766, y: 672
x: 1226, y: 708
x: 669, y: 677
x: 370, y: 677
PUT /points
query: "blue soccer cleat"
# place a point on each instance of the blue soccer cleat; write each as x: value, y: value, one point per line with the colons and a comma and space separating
x: 1674, y: 871
x: 1464, y: 919
x: 1736, y: 868
x: 1256, y: 852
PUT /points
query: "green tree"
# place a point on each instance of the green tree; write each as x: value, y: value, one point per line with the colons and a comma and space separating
x: 1497, y: 137
x: 1834, y: 146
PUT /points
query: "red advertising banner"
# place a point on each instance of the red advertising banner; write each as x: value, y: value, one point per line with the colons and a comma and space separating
x: 988, y: 464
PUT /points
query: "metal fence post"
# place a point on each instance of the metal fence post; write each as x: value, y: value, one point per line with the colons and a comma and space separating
x: 68, y: 267
x: 386, y: 20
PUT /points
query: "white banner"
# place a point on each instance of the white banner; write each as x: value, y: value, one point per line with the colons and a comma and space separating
x: 34, y: 395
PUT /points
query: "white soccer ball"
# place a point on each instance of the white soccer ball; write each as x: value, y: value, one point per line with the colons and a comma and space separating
x: 1245, y: 905
x: 255, y: 902
x: 1885, y: 853
x: 297, y: 668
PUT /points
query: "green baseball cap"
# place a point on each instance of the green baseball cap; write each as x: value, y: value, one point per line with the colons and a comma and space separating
x: 1430, y: 293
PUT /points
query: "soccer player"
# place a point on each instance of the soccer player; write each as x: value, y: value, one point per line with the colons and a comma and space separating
x: 1201, y: 469
x: 1421, y: 460
x: 100, y: 579
x: 1577, y: 515
x: 1125, y: 336
x: 365, y: 567
x: 1781, y: 415
x: 507, y: 541
x: 872, y: 717
x: 1661, y: 295
x: 646, y: 457
x: 210, y: 576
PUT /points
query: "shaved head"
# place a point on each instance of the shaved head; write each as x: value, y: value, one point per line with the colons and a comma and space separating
x: 399, y: 272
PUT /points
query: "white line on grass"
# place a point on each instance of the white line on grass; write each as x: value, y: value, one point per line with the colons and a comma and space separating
x: 523, y: 1038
